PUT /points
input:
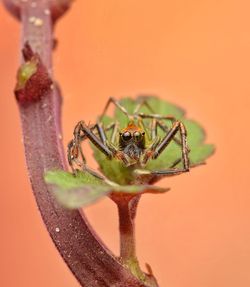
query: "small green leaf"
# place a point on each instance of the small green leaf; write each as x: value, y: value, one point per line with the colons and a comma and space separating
x: 83, y: 189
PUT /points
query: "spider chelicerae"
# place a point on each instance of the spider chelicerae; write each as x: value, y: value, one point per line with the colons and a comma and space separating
x: 134, y: 145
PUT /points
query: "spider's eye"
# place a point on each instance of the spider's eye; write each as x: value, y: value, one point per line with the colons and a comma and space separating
x: 137, y: 136
x: 126, y: 136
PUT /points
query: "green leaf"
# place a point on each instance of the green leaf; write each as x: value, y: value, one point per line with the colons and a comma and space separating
x: 200, y: 151
x: 75, y: 191
x: 83, y: 189
x: 67, y: 180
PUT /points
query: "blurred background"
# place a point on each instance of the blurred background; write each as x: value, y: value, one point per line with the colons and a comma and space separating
x: 192, y: 53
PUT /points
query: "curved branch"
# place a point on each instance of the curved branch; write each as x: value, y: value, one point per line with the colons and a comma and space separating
x: 89, y: 260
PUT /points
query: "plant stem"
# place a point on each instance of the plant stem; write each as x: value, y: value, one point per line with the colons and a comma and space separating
x: 127, y: 237
x: 127, y: 230
x: 84, y: 253
x: 127, y: 206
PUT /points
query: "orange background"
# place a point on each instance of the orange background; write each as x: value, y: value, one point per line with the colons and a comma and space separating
x: 193, y: 53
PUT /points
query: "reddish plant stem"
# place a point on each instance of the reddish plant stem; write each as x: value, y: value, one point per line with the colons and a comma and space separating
x: 89, y: 260
x: 126, y: 210
x: 127, y: 207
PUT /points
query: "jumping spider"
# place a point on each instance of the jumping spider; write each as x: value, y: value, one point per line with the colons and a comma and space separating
x: 134, y: 145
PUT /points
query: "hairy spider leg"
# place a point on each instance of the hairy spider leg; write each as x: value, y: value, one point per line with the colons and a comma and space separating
x: 167, y: 172
x: 160, y: 147
x: 74, y: 147
x: 73, y: 154
x: 74, y: 158
x: 112, y: 126
x: 165, y: 128
x: 176, y: 162
x: 153, y: 129
x: 115, y: 127
x: 142, y: 101
x: 180, y: 159
x: 156, y: 116
x: 177, y: 126
x: 117, y: 104
x: 124, y: 110
x: 101, y: 143
x: 157, y: 123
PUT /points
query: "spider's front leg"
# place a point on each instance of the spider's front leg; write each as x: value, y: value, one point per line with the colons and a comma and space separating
x: 75, y: 154
x: 159, y: 147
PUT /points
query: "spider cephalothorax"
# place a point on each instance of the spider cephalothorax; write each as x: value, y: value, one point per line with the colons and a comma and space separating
x: 132, y: 141
x: 133, y: 145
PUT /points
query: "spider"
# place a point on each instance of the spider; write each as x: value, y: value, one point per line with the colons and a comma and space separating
x: 133, y: 145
